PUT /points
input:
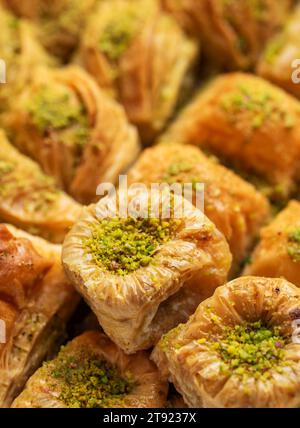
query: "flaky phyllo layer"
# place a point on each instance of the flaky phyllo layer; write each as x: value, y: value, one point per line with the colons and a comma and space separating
x: 30, y: 199
x: 143, y: 275
x: 233, y: 32
x: 139, y: 54
x: 59, y: 23
x: 250, y: 124
x: 22, y: 52
x: 238, y: 349
x: 236, y: 208
x: 277, y: 254
x: 36, y: 300
x: 281, y: 53
x: 78, y: 134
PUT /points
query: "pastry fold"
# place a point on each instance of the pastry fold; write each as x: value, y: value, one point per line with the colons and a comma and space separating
x: 233, y: 32
x: 278, y: 251
x: 118, y: 380
x: 36, y: 300
x: 279, y: 55
x: 251, y: 124
x: 22, y: 52
x: 236, y: 208
x: 238, y: 349
x: 73, y: 130
x: 29, y: 199
x: 144, y: 272
x: 59, y: 22
x: 140, y: 55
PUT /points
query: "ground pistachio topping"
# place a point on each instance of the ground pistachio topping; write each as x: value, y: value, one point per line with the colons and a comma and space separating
x: 54, y: 110
x: 180, y: 171
x: 119, y: 32
x: 176, y: 168
x: 293, y: 247
x: 250, y: 350
x: 261, y: 105
x: 123, y: 245
x: 87, y: 381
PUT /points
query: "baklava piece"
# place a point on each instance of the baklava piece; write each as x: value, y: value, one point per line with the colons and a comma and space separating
x: 92, y: 372
x: 76, y: 132
x: 232, y: 204
x: 277, y: 63
x: 251, y: 124
x: 233, y: 32
x: 29, y: 199
x: 21, y: 52
x: 142, y: 56
x: 144, y: 272
x: 59, y: 22
x: 278, y: 252
x: 238, y: 349
x: 36, y: 302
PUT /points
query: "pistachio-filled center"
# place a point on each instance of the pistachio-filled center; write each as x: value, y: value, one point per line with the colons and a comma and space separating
x: 58, y: 109
x: 87, y: 381
x: 293, y: 247
x: 251, y: 350
x: 123, y: 245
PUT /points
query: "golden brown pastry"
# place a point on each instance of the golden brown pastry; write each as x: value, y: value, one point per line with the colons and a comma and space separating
x: 279, y: 55
x: 36, y: 301
x: 30, y: 199
x: 91, y: 371
x: 142, y: 56
x: 231, y: 203
x: 238, y: 349
x: 278, y: 252
x: 60, y: 22
x: 252, y: 124
x: 21, y: 51
x: 232, y: 32
x: 142, y: 272
x: 76, y: 133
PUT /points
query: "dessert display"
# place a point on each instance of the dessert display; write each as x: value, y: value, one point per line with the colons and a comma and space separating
x: 149, y: 205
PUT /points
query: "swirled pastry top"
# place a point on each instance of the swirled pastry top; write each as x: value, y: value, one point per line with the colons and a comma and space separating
x: 239, y: 348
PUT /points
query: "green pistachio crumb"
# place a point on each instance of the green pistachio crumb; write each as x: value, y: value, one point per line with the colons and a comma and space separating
x: 51, y: 110
x: 118, y: 34
x: 250, y: 350
x: 261, y: 106
x: 87, y: 381
x: 123, y: 245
